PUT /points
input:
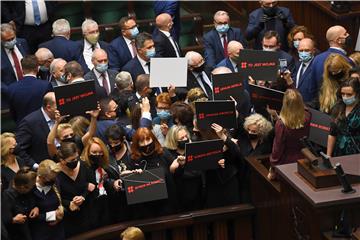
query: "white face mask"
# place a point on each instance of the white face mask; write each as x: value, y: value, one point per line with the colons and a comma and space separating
x: 269, y: 49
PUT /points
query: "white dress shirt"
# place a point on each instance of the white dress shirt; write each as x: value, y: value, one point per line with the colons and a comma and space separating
x: 29, y: 12
x: 143, y: 64
x: 19, y: 56
x: 128, y: 44
x: 87, y: 53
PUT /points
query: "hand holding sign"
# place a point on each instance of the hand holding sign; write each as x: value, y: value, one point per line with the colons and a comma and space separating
x: 171, y: 90
x: 94, y: 113
x: 221, y: 163
x: 58, y: 117
x: 145, y: 105
x: 220, y: 131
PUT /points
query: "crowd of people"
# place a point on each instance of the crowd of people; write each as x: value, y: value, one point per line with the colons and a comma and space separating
x: 63, y: 175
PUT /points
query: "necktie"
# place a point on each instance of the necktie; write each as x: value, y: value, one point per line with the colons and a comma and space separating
x: 18, y: 69
x: 37, y: 17
x: 105, y: 83
x: 133, y: 48
x: 206, y: 86
x: 148, y: 66
x: 93, y: 47
x: 225, y: 44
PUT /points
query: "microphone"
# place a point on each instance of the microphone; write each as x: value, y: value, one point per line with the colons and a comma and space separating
x: 343, y: 180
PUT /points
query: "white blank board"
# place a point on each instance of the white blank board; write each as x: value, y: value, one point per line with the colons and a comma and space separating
x: 166, y: 71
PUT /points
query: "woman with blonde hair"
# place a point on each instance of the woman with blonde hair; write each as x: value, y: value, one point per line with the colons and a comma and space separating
x: 336, y: 69
x: 10, y: 163
x: 293, y: 124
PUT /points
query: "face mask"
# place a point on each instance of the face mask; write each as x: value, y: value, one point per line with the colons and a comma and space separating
x: 147, y: 149
x: 196, y: 136
x: 164, y: 114
x: 269, y: 49
x: 223, y: 28
x: 116, y: 148
x: 9, y: 44
x: 101, y: 67
x: 199, y: 69
x: 49, y: 183
x: 252, y: 136
x: 305, y: 56
x: 337, y: 76
x: 44, y: 69
x: 134, y: 32
x: 62, y: 78
x: 70, y: 139
x: 150, y: 53
x: 181, y: 144
x: 270, y: 11
x: 93, y: 38
x: 347, y: 42
x: 296, y: 43
x: 95, y: 159
x: 349, y: 101
x: 16, y: 150
x: 73, y: 164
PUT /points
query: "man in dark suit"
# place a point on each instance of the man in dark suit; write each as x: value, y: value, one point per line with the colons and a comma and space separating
x: 57, y: 70
x: 141, y: 63
x: 271, y: 42
x: 32, y: 19
x: 32, y: 140
x: 44, y: 57
x: 103, y: 76
x: 269, y: 17
x: 60, y: 45
x: 338, y: 39
x: 165, y: 44
x: 122, y: 49
x: 216, y: 41
x: 26, y: 95
x: 172, y: 8
x: 90, y: 31
x: 197, y: 77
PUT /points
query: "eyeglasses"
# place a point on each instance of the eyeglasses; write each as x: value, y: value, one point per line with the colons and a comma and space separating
x: 135, y: 26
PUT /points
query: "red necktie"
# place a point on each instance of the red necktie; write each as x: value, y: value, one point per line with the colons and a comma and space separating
x: 105, y: 83
x: 17, y: 64
x: 225, y: 45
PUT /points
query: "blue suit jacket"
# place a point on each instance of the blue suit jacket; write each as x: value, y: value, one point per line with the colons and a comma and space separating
x: 227, y: 63
x: 26, y: 95
x: 318, y: 64
x: 62, y: 48
x: 134, y: 68
x: 214, y: 51
x: 112, y: 75
x: 119, y: 54
x: 256, y: 31
x: 307, y: 86
x: 32, y: 140
x: 81, y: 60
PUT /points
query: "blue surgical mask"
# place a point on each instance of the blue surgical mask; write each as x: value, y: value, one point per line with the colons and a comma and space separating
x: 296, y: 43
x: 349, y: 101
x: 223, y: 28
x: 164, y: 114
x: 44, y: 69
x: 9, y: 44
x: 134, y: 32
x: 150, y: 53
x: 305, y: 56
x: 63, y: 78
x: 101, y: 67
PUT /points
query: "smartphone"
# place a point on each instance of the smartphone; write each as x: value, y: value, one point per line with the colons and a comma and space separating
x: 282, y: 65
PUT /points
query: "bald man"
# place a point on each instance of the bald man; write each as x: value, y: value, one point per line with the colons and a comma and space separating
x: 57, y: 70
x: 165, y: 44
x: 103, y: 76
x: 234, y: 48
x: 44, y: 57
x: 338, y: 39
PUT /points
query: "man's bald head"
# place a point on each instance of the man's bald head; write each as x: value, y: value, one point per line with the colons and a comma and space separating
x: 194, y: 58
x: 307, y: 43
x: 336, y: 36
x: 221, y: 70
x: 44, y: 57
x: 234, y: 48
x: 57, y: 67
x: 164, y: 21
x: 99, y: 53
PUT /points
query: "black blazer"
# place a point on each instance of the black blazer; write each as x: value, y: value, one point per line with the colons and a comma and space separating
x: 192, y: 81
x: 163, y: 46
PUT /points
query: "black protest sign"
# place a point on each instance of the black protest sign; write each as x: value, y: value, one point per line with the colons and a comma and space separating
x: 77, y: 98
x: 220, y: 112
x: 203, y: 155
x: 229, y: 84
x: 260, y: 65
x: 147, y: 186
x: 319, y: 127
x: 262, y: 96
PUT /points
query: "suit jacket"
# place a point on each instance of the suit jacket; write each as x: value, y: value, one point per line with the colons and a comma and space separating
x: 307, y: 85
x: 214, y: 51
x: 192, y: 81
x: 172, y: 8
x: 112, y: 75
x: 32, y: 140
x: 163, y: 46
x: 26, y: 95
x: 318, y: 64
x: 255, y: 30
x: 119, y: 54
x: 134, y: 68
x: 81, y: 60
x: 62, y: 48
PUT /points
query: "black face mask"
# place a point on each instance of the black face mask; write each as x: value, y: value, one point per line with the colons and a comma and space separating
x: 49, y: 183
x: 181, y: 144
x: 270, y: 11
x: 348, y: 41
x: 196, y: 136
x: 199, y: 69
x: 337, y: 76
x: 147, y: 149
x: 70, y: 139
x: 16, y: 150
x: 73, y: 164
x: 252, y: 136
x: 116, y: 148
x: 96, y: 159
